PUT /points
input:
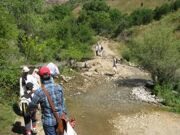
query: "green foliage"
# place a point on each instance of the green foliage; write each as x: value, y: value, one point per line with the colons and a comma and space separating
x: 176, y: 5
x: 7, y: 118
x: 7, y: 24
x: 67, y: 71
x: 157, y: 52
x: 77, y: 51
x: 9, y: 85
x: 141, y: 16
x: 96, y: 6
x: 59, y: 12
x: 170, y: 98
x: 159, y: 11
x: 101, y: 22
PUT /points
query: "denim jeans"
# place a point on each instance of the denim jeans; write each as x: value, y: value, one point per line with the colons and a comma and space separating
x: 49, y: 130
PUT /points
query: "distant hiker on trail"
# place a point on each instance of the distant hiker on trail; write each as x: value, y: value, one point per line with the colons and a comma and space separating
x: 56, y: 94
x: 114, y: 64
x: 100, y: 49
x: 97, y: 49
x: 29, y: 116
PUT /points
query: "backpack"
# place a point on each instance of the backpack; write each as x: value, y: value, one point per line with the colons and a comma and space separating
x: 23, y: 105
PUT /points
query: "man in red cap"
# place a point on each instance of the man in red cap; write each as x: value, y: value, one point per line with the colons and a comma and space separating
x: 56, y: 93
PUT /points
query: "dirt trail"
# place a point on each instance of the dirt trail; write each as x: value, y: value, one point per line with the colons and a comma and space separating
x: 102, y: 65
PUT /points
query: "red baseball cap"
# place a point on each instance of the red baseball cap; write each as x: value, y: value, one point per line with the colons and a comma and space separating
x: 44, y: 71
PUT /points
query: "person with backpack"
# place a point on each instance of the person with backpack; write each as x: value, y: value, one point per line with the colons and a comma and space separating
x: 51, y: 90
x: 29, y: 116
x: 53, y: 70
x: 26, y: 77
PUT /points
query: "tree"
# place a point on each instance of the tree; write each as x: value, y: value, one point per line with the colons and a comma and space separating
x: 157, y: 52
x: 96, y: 5
x: 101, y: 23
x: 141, y: 16
x: 162, y: 10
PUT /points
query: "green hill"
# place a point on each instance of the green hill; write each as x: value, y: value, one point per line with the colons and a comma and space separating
x: 128, y: 6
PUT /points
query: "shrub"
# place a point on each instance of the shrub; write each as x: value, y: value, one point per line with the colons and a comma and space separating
x: 59, y: 12
x: 158, y: 53
x: 9, y: 85
x: 176, y: 5
x: 96, y: 5
x: 101, y: 23
x: 141, y: 16
x: 165, y: 91
x: 159, y: 11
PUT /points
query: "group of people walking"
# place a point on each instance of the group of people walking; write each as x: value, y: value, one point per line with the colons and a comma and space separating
x: 32, y: 95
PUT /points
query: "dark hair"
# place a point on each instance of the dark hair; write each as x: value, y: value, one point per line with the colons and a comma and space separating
x: 29, y: 86
x: 45, y: 77
x: 24, y: 78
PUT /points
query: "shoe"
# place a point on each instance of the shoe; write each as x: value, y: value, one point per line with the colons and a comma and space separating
x: 28, y: 133
x: 34, y: 130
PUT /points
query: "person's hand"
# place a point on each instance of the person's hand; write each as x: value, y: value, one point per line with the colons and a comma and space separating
x: 72, y: 122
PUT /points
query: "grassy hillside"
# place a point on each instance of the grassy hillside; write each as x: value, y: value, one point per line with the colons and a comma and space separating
x: 130, y: 5
x: 171, y: 21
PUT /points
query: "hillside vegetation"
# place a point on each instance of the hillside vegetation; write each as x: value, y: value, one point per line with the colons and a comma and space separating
x: 131, y: 5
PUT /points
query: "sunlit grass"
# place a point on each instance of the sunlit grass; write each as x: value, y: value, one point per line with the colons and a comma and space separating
x: 7, y: 118
x: 128, y: 6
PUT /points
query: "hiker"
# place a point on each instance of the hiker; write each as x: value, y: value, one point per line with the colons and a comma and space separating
x: 114, y: 64
x: 55, y: 92
x: 29, y: 116
x: 26, y: 77
x: 36, y: 77
x: 53, y: 70
x: 97, y: 49
x: 100, y: 49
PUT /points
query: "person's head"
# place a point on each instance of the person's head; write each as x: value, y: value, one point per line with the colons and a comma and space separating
x: 36, y: 70
x: 29, y: 86
x: 44, y: 73
x: 25, y: 69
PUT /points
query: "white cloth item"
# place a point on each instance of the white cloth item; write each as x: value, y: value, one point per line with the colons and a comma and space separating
x: 22, y: 88
x: 97, y: 47
x: 26, y: 69
x: 34, y: 81
x: 70, y: 130
x: 53, y: 69
x: 24, y: 100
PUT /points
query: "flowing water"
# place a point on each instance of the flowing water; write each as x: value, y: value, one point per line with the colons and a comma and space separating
x: 94, y: 109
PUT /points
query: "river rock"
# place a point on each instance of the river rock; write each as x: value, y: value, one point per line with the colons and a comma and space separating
x: 140, y: 93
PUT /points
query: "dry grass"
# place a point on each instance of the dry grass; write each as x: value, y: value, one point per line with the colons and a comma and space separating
x: 128, y: 6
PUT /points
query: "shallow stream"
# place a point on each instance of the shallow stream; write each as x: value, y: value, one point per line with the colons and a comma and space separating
x: 94, y: 109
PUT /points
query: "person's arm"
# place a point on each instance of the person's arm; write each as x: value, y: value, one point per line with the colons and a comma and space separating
x: 21, y: 88
x: 35, y: 100
x: 62, y: 100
